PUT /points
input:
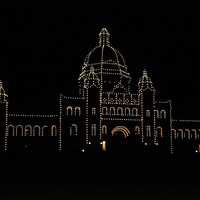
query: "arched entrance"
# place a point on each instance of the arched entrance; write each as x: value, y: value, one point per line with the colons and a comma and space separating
x: 119, y: 137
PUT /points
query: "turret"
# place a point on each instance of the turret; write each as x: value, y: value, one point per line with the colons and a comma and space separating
x: 147, y: 104
x: 3, y: 95
x: 91, y: 80
x: 3, y: 118
x: 93, y: 107
x: 145, y: 82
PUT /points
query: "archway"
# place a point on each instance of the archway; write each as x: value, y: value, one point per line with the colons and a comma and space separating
x: 119, y: 137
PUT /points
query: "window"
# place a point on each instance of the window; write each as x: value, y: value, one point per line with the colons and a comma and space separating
x: 69, y: 111
x: 104, y: 110
x: 147, y: 113
x: 93, y: 111
x: 148, y: 131
x: 70, y: 131
x: 156, y: 113
x: 77, y: 111
x: 19, y: 130
x: 180, y: 133
x: 134, y: 111
x: 28, y: 130
x: 120, y: 111
x: 44, y: 130
x: 93, y: 129
x: 159, y: 131
x: 127, y: 111
x: 104, y: 129
x: 195, y: 133
x: 53, y: 130
x: 36, y: 130
x: 112, y: 111
x: 174, y: 133
x: 11, y: 130
x: 163, y: 114
x: 198, y: 134
x: 73, y: 130
x: 187, y: 133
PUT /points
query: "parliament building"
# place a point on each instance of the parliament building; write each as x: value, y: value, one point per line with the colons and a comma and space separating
x: 106, y: 115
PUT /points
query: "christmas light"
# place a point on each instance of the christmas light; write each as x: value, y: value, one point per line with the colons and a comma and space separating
x: 104, y: 107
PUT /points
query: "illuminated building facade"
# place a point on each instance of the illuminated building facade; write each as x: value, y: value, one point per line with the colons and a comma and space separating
x: 105, y: 115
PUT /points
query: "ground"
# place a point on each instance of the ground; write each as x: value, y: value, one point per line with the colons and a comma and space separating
x: 99, y: 176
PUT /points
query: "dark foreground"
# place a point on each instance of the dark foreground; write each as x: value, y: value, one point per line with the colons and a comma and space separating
x: 97, y: 176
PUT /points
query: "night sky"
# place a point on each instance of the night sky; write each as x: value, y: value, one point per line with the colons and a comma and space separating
x: 41, y: 52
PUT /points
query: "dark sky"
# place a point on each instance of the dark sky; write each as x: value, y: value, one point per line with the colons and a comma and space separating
x: 42, y: 50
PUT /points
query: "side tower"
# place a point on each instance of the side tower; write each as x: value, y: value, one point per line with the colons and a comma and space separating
x: 3, y: 118
x: 147, y: 106
x: 92, y: 90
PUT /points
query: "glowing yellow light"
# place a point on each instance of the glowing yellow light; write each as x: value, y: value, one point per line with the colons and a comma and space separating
x: 108, y: 106
x: 103, y: 145
x: 123, y: 129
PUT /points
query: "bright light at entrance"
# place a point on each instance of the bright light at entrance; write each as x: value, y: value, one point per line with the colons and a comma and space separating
x: 103, y: 145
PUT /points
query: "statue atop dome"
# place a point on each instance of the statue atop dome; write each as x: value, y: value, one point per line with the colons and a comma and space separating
x: 104, y: 37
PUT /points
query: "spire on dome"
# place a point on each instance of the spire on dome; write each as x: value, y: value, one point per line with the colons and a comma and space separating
x: 104, y: 37
x: 145, y: 75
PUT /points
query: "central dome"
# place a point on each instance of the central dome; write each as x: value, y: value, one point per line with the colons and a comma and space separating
x: 107, y: 63
x: 104, y: 53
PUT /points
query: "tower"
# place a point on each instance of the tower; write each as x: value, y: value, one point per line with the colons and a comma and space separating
x: 3, y: 118
x: 92, y: 90
x: 147, y: 105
